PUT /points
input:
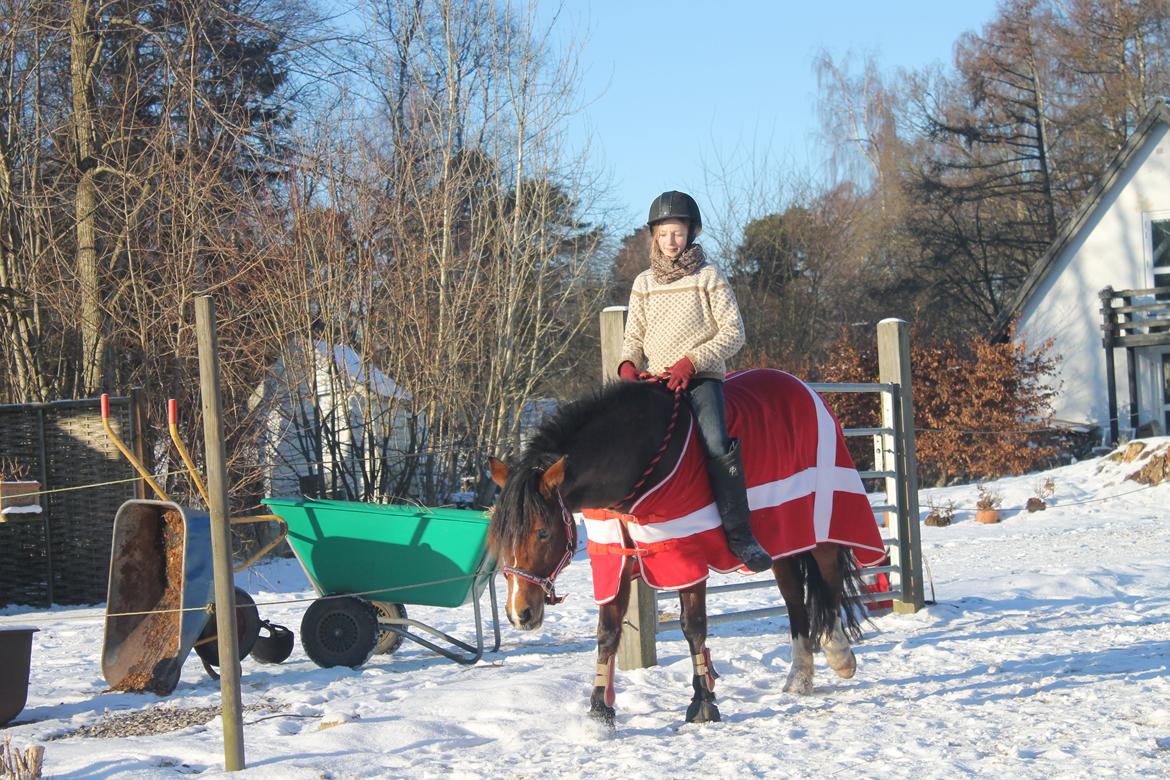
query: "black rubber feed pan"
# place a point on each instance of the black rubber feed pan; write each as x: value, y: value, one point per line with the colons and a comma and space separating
x: 15, y: 662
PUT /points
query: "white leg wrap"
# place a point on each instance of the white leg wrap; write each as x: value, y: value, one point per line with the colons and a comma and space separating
x: 704, y: 668
x: 604, y: 679
x: 800, y: 676
x: 839, y: 654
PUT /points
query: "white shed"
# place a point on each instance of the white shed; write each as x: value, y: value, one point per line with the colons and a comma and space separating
x: 329, y: 414
x: 1118, y: 238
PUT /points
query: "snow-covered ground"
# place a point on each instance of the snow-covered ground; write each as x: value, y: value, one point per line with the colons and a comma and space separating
x: 1044, y: 654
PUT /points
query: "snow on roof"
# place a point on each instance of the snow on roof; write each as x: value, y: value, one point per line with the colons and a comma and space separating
x: 347, y: 359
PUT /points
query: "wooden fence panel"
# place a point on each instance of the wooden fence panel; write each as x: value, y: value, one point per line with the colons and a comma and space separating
x: 62, y: 555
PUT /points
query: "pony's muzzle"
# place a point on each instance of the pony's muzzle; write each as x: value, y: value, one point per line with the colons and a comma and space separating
x: 527, y: 618
x: 525, y: 605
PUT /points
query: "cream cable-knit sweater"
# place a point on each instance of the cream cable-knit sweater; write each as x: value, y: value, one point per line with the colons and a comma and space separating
x: 695, y: 316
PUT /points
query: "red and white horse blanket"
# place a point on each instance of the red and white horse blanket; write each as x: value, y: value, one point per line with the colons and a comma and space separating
x: 802, y: 488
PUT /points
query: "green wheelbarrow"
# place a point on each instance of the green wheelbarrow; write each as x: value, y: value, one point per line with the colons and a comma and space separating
x: 368, y: 561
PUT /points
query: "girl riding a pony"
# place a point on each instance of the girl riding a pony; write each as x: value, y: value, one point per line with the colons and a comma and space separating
x: 684, y: 323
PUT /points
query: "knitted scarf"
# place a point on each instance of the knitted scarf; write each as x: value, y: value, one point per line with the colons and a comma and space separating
x: 666, y: 270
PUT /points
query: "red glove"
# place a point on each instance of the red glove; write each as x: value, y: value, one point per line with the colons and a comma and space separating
x: 680, y: 374
x: 628, y: 371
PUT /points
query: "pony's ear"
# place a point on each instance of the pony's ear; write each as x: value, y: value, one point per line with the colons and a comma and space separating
x: 499, y: 471
x: 552, y: 477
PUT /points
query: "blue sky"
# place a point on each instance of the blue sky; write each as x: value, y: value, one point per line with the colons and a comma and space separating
x: 748, y: 64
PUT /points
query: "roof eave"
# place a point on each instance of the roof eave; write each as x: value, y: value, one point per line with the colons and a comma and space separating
x: 1159, y: 114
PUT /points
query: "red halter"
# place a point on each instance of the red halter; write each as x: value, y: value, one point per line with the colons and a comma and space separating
x: 548, y: 584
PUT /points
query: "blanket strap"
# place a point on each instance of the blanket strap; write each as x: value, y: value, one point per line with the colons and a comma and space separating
x: 613, y: 548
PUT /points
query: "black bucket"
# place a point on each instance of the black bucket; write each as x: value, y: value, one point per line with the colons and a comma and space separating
x: 15, y: 662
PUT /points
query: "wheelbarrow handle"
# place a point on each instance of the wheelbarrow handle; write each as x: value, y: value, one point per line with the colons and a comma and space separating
x: 105, y: 406
x: 173, y: 428
x: 266, y: 548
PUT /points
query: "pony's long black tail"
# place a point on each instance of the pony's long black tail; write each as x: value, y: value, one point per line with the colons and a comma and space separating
x: 823, y: 605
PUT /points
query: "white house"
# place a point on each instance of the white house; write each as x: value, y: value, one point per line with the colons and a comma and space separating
x: 1118, y: 238
x: 329, y: 413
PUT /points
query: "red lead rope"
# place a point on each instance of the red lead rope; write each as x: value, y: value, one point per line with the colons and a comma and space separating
x: 665, y: 442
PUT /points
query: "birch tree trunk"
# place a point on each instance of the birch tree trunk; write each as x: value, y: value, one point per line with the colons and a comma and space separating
x: 81, y: 48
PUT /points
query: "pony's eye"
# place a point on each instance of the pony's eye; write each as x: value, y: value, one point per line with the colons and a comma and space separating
x: 542, y: 534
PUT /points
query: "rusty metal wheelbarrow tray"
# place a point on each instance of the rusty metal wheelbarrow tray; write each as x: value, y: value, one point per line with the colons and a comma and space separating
x: 160, y: 562
x: 161, y: 586
x: 399, y: 554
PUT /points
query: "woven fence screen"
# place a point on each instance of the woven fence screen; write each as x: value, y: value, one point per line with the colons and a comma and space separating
x: 62, y: 555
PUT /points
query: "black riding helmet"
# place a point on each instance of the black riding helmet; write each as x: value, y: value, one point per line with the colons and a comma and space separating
x: 677, y: 205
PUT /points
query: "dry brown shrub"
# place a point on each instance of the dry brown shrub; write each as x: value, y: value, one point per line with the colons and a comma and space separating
x: 979, y: 407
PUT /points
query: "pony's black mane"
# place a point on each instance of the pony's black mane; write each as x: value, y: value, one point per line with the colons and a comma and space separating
x: 521, y: 499
x: 552, y: 436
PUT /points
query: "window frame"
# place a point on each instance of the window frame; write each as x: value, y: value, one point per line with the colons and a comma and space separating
x: 1148, y: 220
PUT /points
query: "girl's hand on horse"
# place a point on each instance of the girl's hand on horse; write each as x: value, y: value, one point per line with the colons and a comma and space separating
x: 680, y: 374
x: 628, y: 371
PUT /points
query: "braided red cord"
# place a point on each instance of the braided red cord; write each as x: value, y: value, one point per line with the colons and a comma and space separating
x: 665, y: 442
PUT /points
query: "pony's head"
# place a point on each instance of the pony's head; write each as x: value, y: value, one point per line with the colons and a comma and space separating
x: 533, y: 537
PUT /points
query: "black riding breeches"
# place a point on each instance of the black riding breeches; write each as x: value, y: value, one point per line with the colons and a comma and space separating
x: 706, y: 398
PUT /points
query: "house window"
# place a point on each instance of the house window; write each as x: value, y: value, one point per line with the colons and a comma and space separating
x: 1166, y: 392
x: 1166, y: 377
x: 1160, y: 252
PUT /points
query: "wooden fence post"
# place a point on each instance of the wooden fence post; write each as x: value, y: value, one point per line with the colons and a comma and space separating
x: 1108, y: 331
x: 893, y: 338
x: 637, y: 649
x: 221, y: 535
x: 137, y: 437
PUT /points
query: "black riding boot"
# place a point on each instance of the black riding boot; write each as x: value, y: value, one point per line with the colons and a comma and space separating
x: 727, y: 482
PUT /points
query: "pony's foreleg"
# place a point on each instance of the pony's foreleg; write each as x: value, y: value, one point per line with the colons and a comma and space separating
x: 790, y: 577
x: 609, y: 634
x: 800, y: 675
x: 693, y: 604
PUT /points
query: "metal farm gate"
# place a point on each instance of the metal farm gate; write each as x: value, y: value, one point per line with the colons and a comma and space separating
x: 894, y: 465
x: 62, y: 554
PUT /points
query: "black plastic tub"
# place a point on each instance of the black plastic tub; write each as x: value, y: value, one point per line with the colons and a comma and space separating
x: 15, y: 662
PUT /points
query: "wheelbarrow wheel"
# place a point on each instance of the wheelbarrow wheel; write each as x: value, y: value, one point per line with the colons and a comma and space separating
x: 341, y: 631
x: 388, y: 641
x: 247, y: 629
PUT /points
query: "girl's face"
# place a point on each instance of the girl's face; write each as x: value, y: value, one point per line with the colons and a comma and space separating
x: 671, y: 235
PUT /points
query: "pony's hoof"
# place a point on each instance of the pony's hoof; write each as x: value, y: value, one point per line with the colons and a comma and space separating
x: 800, y: 684
x: 604, y: 715
x: 846, y: 667
x: 702, y: 712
